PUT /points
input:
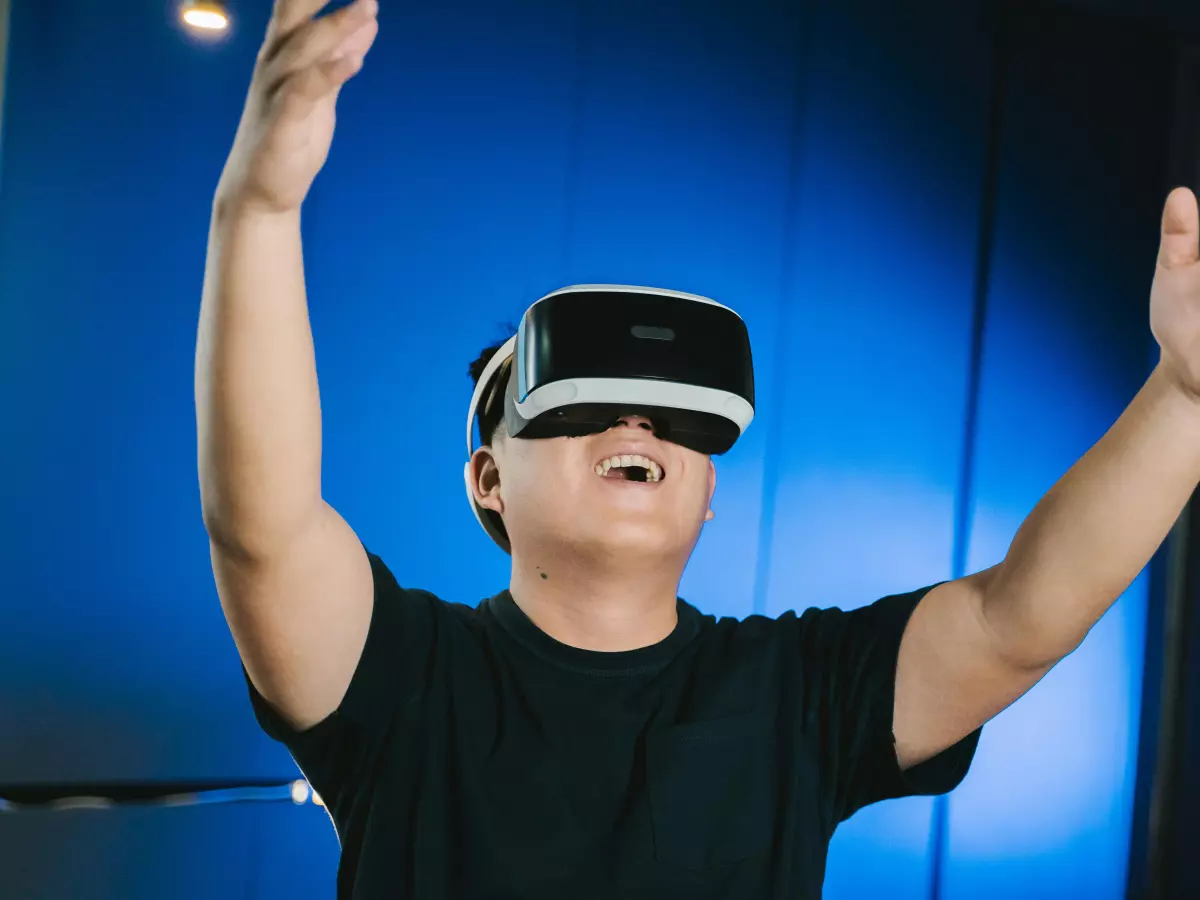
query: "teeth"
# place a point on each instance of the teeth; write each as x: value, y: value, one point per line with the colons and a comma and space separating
x: 653, y: 470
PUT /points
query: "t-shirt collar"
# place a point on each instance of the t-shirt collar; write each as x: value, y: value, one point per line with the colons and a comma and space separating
x: 640, y: 661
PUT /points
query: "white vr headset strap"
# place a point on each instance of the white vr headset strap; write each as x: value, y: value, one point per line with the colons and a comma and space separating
x: 489, y: 372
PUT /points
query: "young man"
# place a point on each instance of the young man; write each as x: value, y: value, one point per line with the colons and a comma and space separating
x: 585, y: 734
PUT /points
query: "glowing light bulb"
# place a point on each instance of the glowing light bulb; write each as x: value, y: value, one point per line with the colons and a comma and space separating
x: 205, y: 16
x: 299, y: 792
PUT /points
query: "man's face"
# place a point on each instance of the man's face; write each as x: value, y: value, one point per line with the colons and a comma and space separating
x: 587, y: 494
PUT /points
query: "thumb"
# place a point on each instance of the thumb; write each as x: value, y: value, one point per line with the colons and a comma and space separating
x: 306, y: 89
x: 1180, y: 230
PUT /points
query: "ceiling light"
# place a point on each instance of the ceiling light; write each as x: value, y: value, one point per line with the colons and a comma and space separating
x: 203, y: 15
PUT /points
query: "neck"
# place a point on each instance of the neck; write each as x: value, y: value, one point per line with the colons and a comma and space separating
x: 606, y: 605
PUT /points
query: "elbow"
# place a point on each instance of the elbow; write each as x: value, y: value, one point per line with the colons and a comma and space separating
x: 244, y: 533
x: 253, y: 509
x: 1036, y: 653
x: 243, y: 542
x: 1027, y: 631
x: 232, y: 538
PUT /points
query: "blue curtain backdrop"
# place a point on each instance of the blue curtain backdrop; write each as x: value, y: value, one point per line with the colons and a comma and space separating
x: 825, y: 168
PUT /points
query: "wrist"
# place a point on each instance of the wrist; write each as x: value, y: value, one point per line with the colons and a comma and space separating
x: 235, y: 209
x: 1181, y: 398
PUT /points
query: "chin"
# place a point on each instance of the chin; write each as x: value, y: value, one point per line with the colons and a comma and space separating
x: 634, y: 540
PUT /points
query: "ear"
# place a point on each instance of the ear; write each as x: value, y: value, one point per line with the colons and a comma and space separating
x: 485, y: 480
x: 712, y: 489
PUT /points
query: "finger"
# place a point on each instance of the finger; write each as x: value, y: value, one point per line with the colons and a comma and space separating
x: 1180, y: 245
x: 300, y: 93
x: 359, y: 42
x: 289, y: 15
x: 317, y: 40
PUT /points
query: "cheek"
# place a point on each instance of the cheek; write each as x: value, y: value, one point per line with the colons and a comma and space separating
x: 696, y: 495
x: 543, y: 480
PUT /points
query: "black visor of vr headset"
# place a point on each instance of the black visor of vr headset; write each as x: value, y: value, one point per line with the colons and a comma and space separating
x: 585, y: 356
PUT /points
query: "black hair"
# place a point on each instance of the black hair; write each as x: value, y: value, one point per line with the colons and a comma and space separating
x: 490, y: 413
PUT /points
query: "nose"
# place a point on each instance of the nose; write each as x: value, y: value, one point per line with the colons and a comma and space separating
x: 634, y: 422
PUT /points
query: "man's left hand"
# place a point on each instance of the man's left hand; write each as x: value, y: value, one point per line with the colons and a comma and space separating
x: 1175, y: 296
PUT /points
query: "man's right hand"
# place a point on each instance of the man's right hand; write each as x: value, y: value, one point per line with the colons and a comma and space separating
x: 294, y: 580
x: 287, y: 126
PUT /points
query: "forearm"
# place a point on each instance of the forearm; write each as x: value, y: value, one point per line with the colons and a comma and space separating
x: 1095, y: 530
x: 257, y: 404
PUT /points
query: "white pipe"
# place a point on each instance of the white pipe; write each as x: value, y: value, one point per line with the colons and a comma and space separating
x: 5, y: 9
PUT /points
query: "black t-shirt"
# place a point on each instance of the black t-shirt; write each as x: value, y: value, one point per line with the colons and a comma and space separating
x: 474, y: 756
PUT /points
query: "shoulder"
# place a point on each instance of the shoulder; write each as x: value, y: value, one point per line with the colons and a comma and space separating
x: 389, y: 591
x: 810, y: 634
x: 416, y: 618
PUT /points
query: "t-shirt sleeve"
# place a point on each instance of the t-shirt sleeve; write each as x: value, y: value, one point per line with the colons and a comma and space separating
x: 850, y: 693
x: 334, y: 753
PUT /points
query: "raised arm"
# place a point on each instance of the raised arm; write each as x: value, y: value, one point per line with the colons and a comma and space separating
x: 294, y: 581
x: 977, y: 644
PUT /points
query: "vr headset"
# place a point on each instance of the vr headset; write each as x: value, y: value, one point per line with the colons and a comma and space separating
x: 584, y: 356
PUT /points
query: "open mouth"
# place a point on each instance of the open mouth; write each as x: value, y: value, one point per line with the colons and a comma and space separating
x: 630, y: 467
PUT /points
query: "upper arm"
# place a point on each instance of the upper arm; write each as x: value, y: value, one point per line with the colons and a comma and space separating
x: 300, y: 616
x: 950, y: 676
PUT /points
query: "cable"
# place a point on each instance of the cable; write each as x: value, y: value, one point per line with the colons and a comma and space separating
x: 15, y: 799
